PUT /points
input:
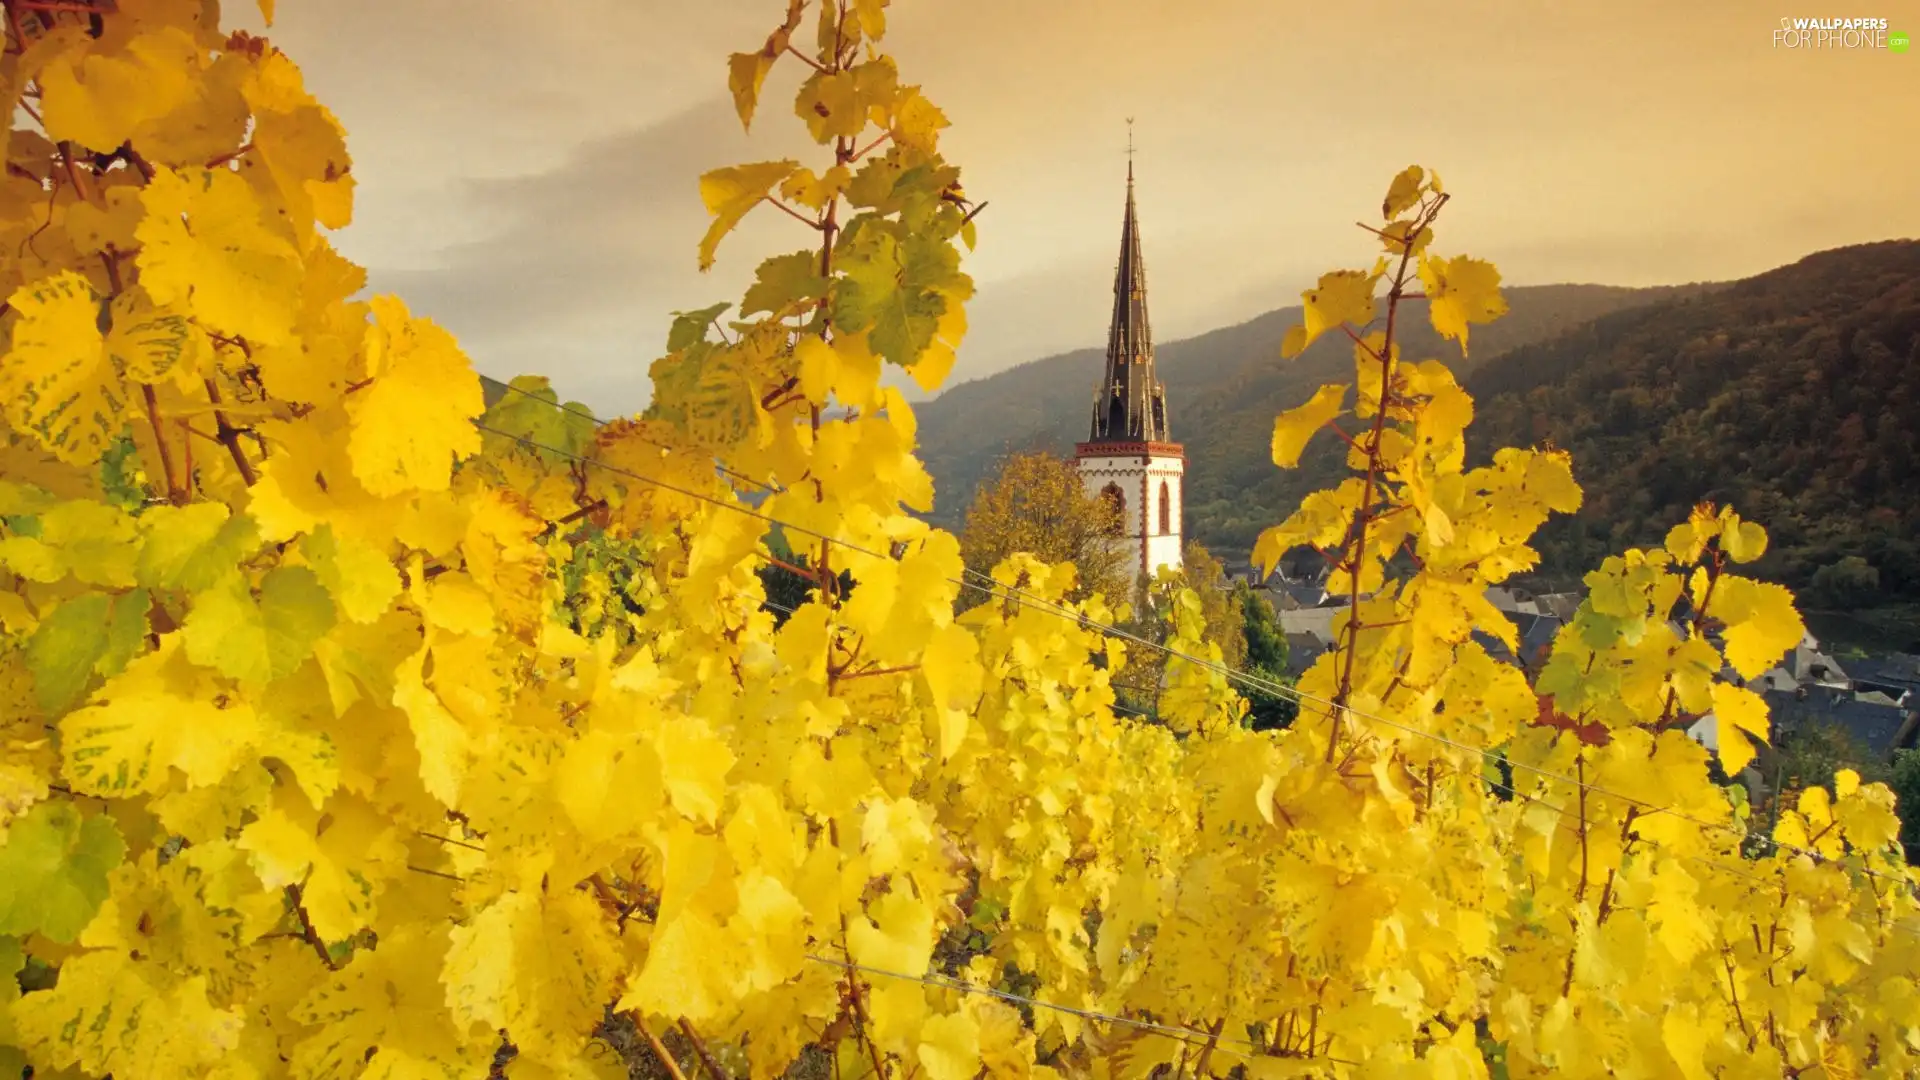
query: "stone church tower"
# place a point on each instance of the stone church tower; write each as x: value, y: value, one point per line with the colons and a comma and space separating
x: 1129, y: 457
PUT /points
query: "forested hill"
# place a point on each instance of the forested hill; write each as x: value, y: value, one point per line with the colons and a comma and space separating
x: 1223, y: 390
x: 1794, y: 395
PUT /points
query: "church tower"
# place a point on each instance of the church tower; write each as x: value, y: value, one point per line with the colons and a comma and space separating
x: 1129, y: 458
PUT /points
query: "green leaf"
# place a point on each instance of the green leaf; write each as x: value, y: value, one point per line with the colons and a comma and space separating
x: 257, y: 641
x: 690, y: 327
x: 532, y: 411
x: 68, y: 647
x: 892, y: 289
x: 192, y: 547
x: 783, y: 281
x: 55, y: 864
x: 64, y: 649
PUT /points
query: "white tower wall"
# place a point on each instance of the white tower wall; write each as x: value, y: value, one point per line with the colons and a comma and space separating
x: 1141, y: 477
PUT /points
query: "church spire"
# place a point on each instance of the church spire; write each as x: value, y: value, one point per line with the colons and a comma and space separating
x: 1130, y: 404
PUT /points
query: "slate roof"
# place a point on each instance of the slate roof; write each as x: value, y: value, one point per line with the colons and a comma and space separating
x: 1894, y: 674
x: 1302, y: 650
x: 1875, y: 725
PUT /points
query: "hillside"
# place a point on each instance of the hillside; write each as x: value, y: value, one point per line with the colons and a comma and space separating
x: 1223, y: 390
x: 1794, y: 395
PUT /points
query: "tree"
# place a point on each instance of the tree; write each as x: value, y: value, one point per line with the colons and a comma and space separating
x: 309, y: 768
x: 1205, y: 579
x: 1851, y: 582
x: 1266, y: 659
x: 1906, y: 787
x: 1036, y: 503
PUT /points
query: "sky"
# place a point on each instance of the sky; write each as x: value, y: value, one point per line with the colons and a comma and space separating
x: 528, y: 173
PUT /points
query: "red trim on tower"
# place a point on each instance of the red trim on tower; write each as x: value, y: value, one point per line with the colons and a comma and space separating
x: 1130, y: 448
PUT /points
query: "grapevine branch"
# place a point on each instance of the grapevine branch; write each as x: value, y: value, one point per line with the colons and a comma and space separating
x: 307, y: 931
x: 1374, y: 467
x: 700, y: 1050
x: 659, y: 1051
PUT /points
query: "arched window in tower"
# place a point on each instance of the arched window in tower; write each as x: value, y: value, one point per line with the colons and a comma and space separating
x: 1166, y: 510
x: 1116, y: 501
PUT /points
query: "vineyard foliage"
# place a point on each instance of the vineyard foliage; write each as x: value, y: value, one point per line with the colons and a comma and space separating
x: 351, y: 729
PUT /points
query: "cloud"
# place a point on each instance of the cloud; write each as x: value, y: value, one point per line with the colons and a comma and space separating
x: 573, y: 271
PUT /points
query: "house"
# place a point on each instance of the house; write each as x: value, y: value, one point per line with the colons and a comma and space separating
x: 1512, y: 599
x: 1561, y: 606
x: 1879, y: 726
x: 1895, y: 675
x: 1316, y: 621
x: 1808, y: 664
x: 1302, y: 650
x: 1298, y: 596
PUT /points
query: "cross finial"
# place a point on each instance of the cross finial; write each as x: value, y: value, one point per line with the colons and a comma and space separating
x: 1129, y: 149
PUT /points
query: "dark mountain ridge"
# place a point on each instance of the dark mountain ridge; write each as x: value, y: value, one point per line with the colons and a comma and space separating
x: 1223, y: 389
x: 1793, y: 395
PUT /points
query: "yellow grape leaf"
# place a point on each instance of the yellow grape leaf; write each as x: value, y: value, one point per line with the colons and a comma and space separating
x: 358, y: 856
x: 732, y: 191
x: 815, y: 193
x: 362, y: 579
x: 416, y: 418
x: 158, y: 714
x: 898, y: 937
x: 1743, y: 541
x: 91, y: 541
x: 280, y: 849
x: 542, y: 967
x: 917, y: 123
x: 58, y: 382
x: 109, y: 222
x: 211, y: 126
x: 943, y: 346
x: 1294, y: 428
x: 1397, y: 236
x: 206, y: 250
x: 1737, y: 712
x: 1761, y: 623
x: 1685, y: 542
x: 873, y: 17
x: 1460, y: 291
x: 688, y: 971
x: 695, y: 764
x: 746, y: 73
x: 1403, y: 193
x: 950, y: 1047
x: 258, y: 640
x: 385, y: 1015
x: 831, y: 104
x: 441, y: 741
x: 133, y: 1018
x: 266, y: 11
x: 1343, y: 296
x: 148, y: 343
x: 772, y: 923
x: 98, y: 97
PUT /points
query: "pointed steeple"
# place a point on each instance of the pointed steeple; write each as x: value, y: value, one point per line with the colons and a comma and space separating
x: 1130, y: 404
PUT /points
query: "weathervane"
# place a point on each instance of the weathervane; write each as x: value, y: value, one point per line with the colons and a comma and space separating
x: 1129, y: 147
